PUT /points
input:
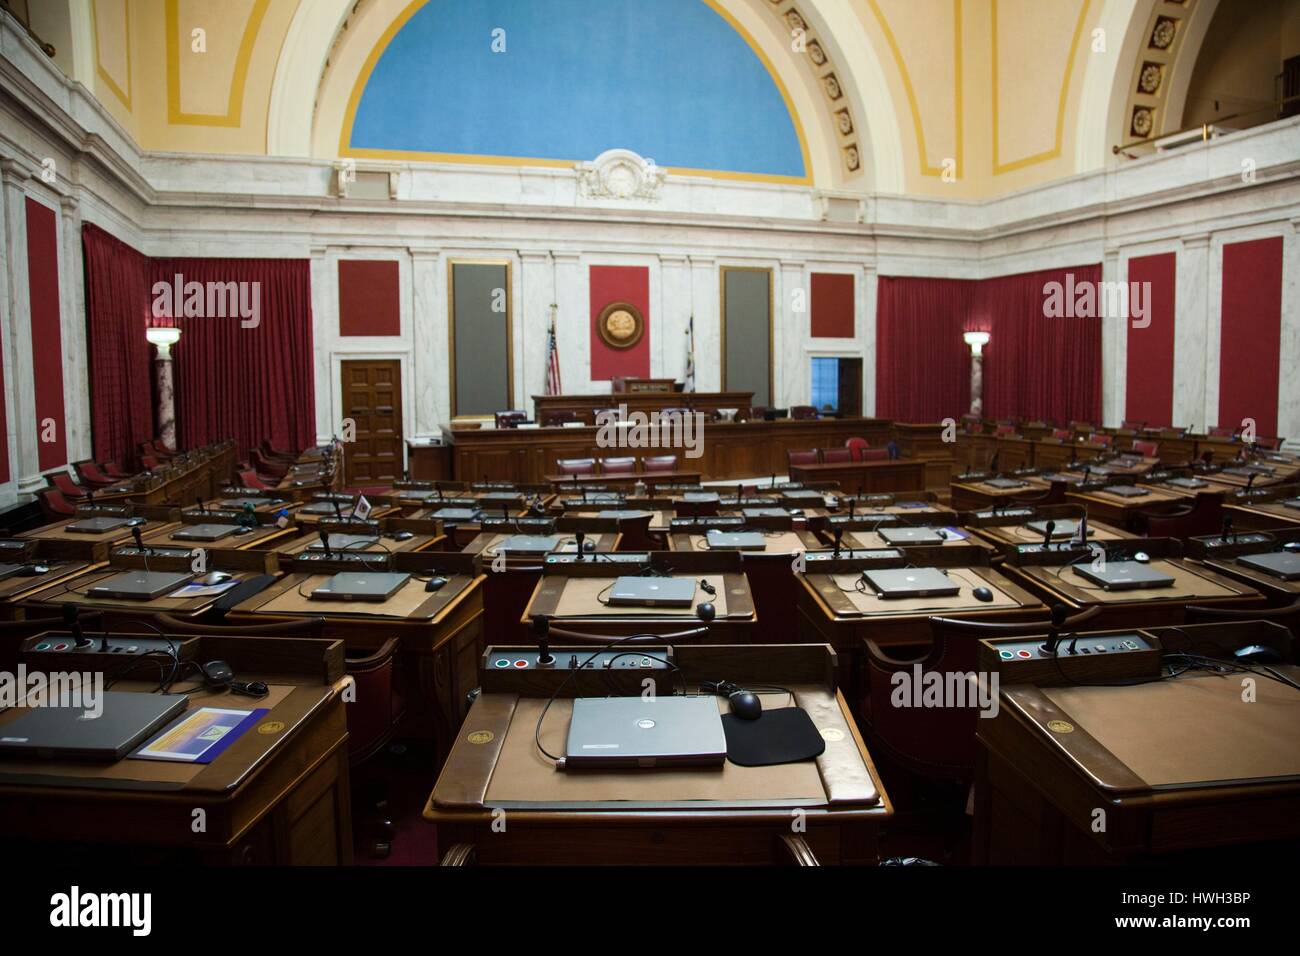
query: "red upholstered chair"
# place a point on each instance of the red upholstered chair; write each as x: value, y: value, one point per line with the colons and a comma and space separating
x: 1099, y: 438
x: 937, y: 742
x: 557, y: 419
x: 803, y: 412
x: 54, y: 506
x: 1062, y: 434
x: 274, y: 468
x: 1203, y: 516
x: 658, y: 464
x: 757, y: 412
x: 112, y: 469
x: 251, y: 479
x: 62, y: 482
x: 836, y: 456
x: 875, y: 454
x: 1131, y: 426
x: 1271, y: 444
x: 618, y: 466
x: 90, y: 475
x: 1147, y: 449
x: 809, y: 457
x: 269, y: 451
x: 150, y: 462
x: 1005, y: 430
x: 576, y: 466
x: 856, y: 447
x: 1221, y: 431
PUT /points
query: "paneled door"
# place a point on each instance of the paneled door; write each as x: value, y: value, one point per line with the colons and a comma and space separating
x: 372, y: 398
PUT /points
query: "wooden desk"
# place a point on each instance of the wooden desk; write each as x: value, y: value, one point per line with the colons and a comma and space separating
x: 650, y: 479
x: 60, y: 543
x: 278, y: 795
x: 17, y: 588
x: 569, y: 594
x: 1193, y: 584
x: 440, y: 632
x: 924, y: 442
x: 733, y: 815
x: 1119, y: 511
x: 977, y: 494
x: 260, y: 538
x: 426, y: 462
x: 1256, y: 514
x: 896, y: 474
x: 1179, y: 766
x: 1223, y: 559
x: 730, y: 449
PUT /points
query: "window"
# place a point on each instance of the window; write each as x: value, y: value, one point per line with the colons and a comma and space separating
x: 826, y: 383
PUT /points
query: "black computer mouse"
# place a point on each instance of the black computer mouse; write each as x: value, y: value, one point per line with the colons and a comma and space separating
x: 982, y: 594
x: 403, y: 535
x: 435, y: 583
x: 1257, y: 654
x: 745, y: 705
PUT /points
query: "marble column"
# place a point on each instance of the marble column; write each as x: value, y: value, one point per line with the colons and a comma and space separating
x: 166, y: 398
x: 976, y: 384
x: 430, y: 343
x: 1196, y: 397
x: 24, y: 459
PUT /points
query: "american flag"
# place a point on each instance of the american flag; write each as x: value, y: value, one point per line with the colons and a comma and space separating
x: 552, y: 360
x: 690, y: 356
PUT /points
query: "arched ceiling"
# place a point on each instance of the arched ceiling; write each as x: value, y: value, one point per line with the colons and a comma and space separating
x: 954, y: 98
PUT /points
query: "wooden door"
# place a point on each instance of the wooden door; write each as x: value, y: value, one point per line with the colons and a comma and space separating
x: 850, y: 390
x: 372, y: 398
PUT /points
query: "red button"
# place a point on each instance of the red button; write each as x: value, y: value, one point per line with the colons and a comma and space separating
x: 521, y: 663
x: 1023, y: 654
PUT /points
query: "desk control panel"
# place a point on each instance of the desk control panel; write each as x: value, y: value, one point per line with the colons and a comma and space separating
x: 1085, y: 645
x: 626, y: 670
x: 55, y: 650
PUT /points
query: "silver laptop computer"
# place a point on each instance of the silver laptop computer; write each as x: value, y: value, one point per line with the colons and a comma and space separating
x: 61, y: 733
x: 701, y: 496
x: 326, y: 508
x: 1293, y: 503
x: 1065, y: 528
x: 204, y: 532
x: 1126, y: 491
x: 901, y: 536
x: 1006, y: 483
x: 1187, y: 482
x: 765, y: 512
x: 531, y: 544
x: 610, y: 733
x: 457, y: 514
x: 1278, y: 564
x: 803, y: 494
x: 9, y: 570
x: 910, y: 582
x: 1124, y: 576
x: 735, y: 540
x: 140, y: 585
x: 653, y: 591
x: 360, y: 586
x: 97, y: 525
x: 500, y: 498
x: 345, y: 542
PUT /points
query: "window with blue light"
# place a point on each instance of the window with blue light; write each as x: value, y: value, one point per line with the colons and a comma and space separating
x: 826, y: 383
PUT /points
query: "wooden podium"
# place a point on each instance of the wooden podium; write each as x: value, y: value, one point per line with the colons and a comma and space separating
x: 620, y: 385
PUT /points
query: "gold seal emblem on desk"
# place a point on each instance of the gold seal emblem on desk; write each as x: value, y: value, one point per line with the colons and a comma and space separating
x: 480, y: 737
x: 1060, y: 726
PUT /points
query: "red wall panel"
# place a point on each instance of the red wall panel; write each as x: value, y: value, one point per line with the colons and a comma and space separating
x: 832, y: 306
x: 619, y: 284
x: 1250, y: 336
x: 369, y: 297
x: 47, y: 339
x: 1150, y: 392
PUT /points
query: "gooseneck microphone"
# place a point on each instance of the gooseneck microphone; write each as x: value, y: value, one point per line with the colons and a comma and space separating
x: 839, y: 533
x: 139, y: 540
x: 1059, y: 614
x: 579, y: 541
x: 72, y: 620
x: 1227, y: 533
x: 1047, y: 535
x: 325, y: 542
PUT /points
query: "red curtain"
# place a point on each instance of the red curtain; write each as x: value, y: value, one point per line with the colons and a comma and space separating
x: 238, y: 380
x: 117, y: 310
x: 922, y: 364
x: 1037, y: 366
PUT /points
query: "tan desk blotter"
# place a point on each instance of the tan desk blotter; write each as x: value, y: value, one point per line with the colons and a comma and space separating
x: 151, y: 774
x: 1187, y: 584
x: 579, y: 600
x: 852, y: 601
x: 1190, y: 730
x: 873, y: 540
x: 410, y: 598
x: 523, y: 777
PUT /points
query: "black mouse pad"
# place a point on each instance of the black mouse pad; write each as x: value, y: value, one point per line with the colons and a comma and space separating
x: 786, y: 735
